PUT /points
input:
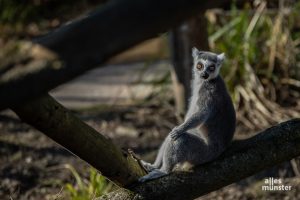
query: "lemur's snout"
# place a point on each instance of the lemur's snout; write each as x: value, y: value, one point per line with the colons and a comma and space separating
x: 204, y: 75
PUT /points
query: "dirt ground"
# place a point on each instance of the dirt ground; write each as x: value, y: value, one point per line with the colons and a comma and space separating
x: 33, y: 167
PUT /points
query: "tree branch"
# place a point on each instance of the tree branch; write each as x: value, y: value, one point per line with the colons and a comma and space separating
x: 244, y: 158
x: 63, y: 127
x: 87, y: 43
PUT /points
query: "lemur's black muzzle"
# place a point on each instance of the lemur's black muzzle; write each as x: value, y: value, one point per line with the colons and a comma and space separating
x: 204, y: 75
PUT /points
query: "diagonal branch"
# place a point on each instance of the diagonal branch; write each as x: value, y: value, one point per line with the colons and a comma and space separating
x: 244, y: 158
x: 87, y: 43
x: 63, y: 127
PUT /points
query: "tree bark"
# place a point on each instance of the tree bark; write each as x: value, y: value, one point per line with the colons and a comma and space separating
x: 88, y: 42
x: 244, y: 158
x: 59, y: 124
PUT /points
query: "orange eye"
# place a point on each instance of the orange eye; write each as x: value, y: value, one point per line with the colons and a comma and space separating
x: 199, y: 66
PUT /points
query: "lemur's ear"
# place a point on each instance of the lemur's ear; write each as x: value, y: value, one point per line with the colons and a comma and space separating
x: 221, y: 57
x: 195, y: 52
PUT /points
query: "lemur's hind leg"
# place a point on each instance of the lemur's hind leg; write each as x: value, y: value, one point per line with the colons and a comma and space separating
x: 162, y: 161
x: 187, y: 147
x: 158, y: 161
x: 159, y: 158
x: 187, y: 150
x: 159, y: 172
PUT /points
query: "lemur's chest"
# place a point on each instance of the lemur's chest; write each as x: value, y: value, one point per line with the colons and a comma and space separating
x: 202, y: 96
x: 197, y: 100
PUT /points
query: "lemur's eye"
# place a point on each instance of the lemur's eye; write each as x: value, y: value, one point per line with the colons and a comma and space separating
x: 212, y: 68
x: 199, y: 66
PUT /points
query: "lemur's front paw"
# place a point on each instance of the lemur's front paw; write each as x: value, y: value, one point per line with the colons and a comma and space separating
x: 175, y: 133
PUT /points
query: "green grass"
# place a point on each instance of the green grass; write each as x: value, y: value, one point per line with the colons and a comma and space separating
x: 87, y: 189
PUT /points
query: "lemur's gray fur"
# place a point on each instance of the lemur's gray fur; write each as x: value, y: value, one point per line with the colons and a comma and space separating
x: 209, y: 124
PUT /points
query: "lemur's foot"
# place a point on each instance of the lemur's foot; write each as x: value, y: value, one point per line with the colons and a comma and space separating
x: 156, y: 173
x: 175, y: 133
x: 149, y: 167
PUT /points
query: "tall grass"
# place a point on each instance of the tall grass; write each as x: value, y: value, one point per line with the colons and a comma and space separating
x: 263, y: 63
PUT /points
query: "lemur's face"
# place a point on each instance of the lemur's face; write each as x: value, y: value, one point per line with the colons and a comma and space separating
x: 206, y: 64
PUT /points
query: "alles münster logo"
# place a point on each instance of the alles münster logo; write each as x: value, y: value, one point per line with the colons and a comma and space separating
x: 273, y: 184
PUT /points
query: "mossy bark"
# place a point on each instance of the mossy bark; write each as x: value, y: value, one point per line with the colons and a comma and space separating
x: 63, y: 127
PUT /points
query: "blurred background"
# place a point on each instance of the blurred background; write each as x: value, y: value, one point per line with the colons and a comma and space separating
x: 141, y: 94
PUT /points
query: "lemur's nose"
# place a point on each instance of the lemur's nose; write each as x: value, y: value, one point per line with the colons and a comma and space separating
x: 204, y: 75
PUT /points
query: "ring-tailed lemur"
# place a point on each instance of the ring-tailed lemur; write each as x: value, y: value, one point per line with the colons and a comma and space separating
x: 209, y: 124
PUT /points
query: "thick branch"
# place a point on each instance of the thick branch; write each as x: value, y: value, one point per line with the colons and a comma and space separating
x: 88, y: 42
x: 63, y: 127
x: 244, y: 158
